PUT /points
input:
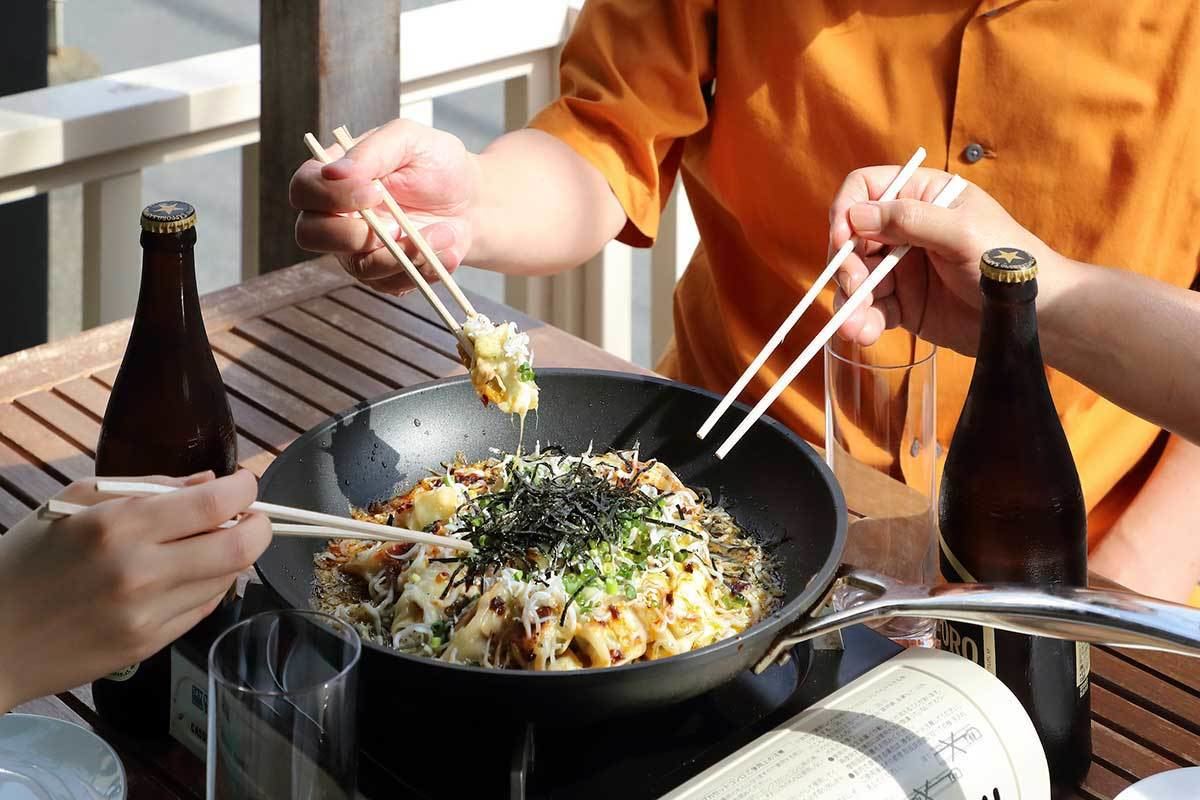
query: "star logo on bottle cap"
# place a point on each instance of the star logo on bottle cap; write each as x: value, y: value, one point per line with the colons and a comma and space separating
x: 166, y: 208
x: 1008, y: 265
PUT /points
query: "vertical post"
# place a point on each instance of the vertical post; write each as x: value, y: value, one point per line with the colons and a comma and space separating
x: 324, y: 63
x: 250, y: 211
x: 676, y: 242
x: 112, y: 256
x: 24, y: 225
x: 523, y: 97
x: 608, y: 297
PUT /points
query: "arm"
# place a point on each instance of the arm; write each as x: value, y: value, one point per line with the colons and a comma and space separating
x: 545, y: 199
x: 540, y: 208
x: 527, y: 205
x: 84, y: 596
x: 1128, y: 337
x: 1152, y: 547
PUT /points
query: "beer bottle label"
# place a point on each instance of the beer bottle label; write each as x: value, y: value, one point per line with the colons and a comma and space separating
x: 123, y: 674
x: 972, y: 642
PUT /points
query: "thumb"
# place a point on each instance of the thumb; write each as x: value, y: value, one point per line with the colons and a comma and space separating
x: 378, y: 153
x: 906, y: 222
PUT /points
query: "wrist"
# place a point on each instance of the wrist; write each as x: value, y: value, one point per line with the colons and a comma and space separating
x: 479, y: 213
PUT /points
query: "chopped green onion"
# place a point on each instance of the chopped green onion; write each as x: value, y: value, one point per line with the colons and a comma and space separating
x: 611, y: 586
x: 526, y: 372
x: 681, y: 555
x: 435, y: 642
x: 630, y: 591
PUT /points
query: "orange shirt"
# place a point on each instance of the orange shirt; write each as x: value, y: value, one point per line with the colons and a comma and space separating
x: 1087, y: 114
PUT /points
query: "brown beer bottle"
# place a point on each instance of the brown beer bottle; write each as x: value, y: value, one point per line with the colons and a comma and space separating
x: 1012, y: 511
x: 167, y: 415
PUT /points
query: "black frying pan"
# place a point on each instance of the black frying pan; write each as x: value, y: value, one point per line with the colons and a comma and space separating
x: 773, y: 483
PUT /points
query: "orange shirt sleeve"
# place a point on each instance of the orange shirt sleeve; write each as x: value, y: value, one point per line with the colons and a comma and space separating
x: 634, y: 76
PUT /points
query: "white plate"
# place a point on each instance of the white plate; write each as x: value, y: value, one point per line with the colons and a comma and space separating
x: 43, y: 758
x: 1174, y: 784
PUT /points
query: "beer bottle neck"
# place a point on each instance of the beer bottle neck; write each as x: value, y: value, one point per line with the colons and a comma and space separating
x: 168, y: 301
x: 1008, y: 338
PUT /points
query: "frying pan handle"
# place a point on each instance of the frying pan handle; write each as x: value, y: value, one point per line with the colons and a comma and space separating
x: 1118, y: 619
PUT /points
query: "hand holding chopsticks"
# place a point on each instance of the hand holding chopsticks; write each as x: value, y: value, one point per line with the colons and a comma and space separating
x: 890, y: 193
x: 944, y: 198
x: 410, y: 269
x: 317, y: 524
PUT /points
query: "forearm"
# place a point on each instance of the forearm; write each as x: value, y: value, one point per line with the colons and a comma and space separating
x: 1130, y: 338
x: 540, y: 207
x: 1153, y: 548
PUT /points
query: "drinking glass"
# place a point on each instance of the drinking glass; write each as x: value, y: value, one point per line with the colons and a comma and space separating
x: 282, y: 688
x: 880, y: 442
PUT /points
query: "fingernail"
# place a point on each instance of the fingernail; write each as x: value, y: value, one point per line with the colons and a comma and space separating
x: 367, y: 196
x: 866, y: 217
x: 199, y: 477
x: 419, y: 259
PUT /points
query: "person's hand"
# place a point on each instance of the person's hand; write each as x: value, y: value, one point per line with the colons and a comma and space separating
x: 430, y: 174
x: 934, y: 291
x: 84, y: 596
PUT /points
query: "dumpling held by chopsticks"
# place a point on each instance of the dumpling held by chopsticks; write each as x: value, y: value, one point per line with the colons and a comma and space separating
x: 502, y: 367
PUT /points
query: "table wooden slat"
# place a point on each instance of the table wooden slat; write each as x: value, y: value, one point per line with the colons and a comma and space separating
x: 1146, y: 690
x: 12, y: 509
x: 253, y: 457
x: 26, y: 479
x: 40, y: 367
x: 335, y: 342
x: 51, y: 451
x: 415, y: 304
x: 1101, y: 783
x: 80, y: 428
x: 371, y: 304
x: 328, y: 398
x: 299, y: 352
x: 1181, y: 670
x: 1144, y: 726
x: 397, y: 345
x: 1124, y: 755
x: 259, y: 427
x: 86, y: 393
x: 270, y: 397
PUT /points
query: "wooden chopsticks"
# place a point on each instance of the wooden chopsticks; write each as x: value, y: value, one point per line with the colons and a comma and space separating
x: 410, y: 269
x: 317, y: 524
x: 944, y: 198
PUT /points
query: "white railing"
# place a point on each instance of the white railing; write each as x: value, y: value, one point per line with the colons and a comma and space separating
x: 102, y: 133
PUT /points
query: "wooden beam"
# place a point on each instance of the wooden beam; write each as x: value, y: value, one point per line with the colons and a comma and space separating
x: 24, y: 226
x: 324, y: 63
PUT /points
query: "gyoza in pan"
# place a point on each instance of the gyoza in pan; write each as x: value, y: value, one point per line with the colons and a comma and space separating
x: 580, y: 561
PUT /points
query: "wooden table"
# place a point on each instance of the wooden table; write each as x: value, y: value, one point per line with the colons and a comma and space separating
x: 298, y: 345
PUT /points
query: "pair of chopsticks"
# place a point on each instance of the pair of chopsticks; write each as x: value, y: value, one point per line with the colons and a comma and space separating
x: 343, y: 137
x: 316, y: 524
x: 944, y: 198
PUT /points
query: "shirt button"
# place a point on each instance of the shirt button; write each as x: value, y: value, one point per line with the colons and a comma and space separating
x: 972, y: 152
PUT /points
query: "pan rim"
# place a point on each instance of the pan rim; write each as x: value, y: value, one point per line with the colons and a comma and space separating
x: 769, y: 627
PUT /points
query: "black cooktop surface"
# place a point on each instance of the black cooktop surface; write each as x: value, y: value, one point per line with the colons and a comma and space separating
x: 427, y: 756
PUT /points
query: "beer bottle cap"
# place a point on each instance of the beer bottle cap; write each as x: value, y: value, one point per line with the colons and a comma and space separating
x: 1008, y: 265
x: 168, y: 216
